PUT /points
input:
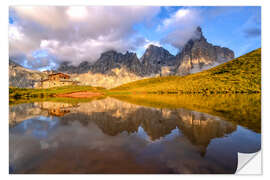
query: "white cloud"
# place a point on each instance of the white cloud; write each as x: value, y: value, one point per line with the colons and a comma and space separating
x: 76, y: 34
x: 49, y: 44
x: 77, y: 12
x: 19, y: 43
x: 15, y: 33
x: 181, y: 26
x: 49, y: 16
x: 180, y: 15
x: 148, y: 43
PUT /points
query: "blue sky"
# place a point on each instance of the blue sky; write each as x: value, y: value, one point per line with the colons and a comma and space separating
x: 42, y: 37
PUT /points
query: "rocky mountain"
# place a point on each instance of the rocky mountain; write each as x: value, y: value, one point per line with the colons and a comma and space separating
x: 116, y: 77
x: 112, y: 59
x: 83, y: 67
x: 198, y: 55
x: 23, y: 77
x: 155, y: 58
x: 66, y: 67
x: 106, y: 63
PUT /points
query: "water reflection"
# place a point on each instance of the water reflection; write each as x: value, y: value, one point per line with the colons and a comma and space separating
x: 111, y: 136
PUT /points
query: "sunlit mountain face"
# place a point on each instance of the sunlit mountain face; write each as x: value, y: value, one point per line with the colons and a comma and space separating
x: 92, y: 137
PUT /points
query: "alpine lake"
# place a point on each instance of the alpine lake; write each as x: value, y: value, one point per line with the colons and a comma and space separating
x: 133, y: 134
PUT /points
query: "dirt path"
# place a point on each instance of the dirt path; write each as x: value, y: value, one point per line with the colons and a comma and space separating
x: 86, y: 94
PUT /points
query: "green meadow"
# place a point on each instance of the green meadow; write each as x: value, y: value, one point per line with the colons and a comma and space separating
x: 26, y: 93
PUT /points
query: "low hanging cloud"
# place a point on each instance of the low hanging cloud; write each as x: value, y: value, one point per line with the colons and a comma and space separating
x: 181, y: 26
x: 148, y: 43
x: 74, y: 34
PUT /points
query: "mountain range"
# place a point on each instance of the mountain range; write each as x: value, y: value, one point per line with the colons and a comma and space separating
x: 115, y: 68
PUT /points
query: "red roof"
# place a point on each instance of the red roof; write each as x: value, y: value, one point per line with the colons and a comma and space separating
x: 57, y: 74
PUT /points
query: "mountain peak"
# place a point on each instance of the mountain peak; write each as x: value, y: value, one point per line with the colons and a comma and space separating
x: 155, y: 57
x: 199, y: 29
x: 130, y: 53
x: 109, y: 52
x: 152, y: 46
x: 112, y: 59
x: 199, y: 34
x: 198, y: 55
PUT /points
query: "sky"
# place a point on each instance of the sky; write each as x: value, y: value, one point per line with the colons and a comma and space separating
x: 42, y: 37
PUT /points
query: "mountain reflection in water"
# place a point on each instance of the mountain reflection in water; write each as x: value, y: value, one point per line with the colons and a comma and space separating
x: 111, y: 136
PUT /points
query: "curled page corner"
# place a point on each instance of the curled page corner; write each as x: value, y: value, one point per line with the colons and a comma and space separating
x: 249, y: 163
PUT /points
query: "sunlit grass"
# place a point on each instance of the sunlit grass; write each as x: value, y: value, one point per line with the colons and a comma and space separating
x: 25, y: 93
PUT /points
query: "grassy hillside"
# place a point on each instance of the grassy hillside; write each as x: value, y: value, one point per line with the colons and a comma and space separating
x: 241, y: 75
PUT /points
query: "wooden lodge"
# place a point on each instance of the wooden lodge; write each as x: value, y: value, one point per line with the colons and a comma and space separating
x: 55, y: 80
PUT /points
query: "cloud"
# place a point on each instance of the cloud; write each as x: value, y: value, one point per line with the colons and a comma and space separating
x: 181, y: 26
x: 252, y: 27
x: 75, y: 34
x: 50, y: 17
x: 148, y: 43
x: 252, y: 32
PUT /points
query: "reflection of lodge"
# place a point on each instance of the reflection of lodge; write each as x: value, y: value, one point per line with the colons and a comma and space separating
x: 58, y: 112
x: 56, y: 108
x: 55, y: 80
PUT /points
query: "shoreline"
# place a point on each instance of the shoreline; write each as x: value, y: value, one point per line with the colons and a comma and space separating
x: 82, y: 94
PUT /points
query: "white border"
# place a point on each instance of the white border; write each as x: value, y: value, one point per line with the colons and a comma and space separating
x: 140, y: 2
x: 265, y: 77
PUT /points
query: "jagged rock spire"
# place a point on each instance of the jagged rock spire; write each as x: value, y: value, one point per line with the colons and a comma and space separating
x: 198, y: 55
x: 199, y: 34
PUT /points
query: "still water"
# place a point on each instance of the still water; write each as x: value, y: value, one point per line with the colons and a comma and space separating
x: 114, y: 136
